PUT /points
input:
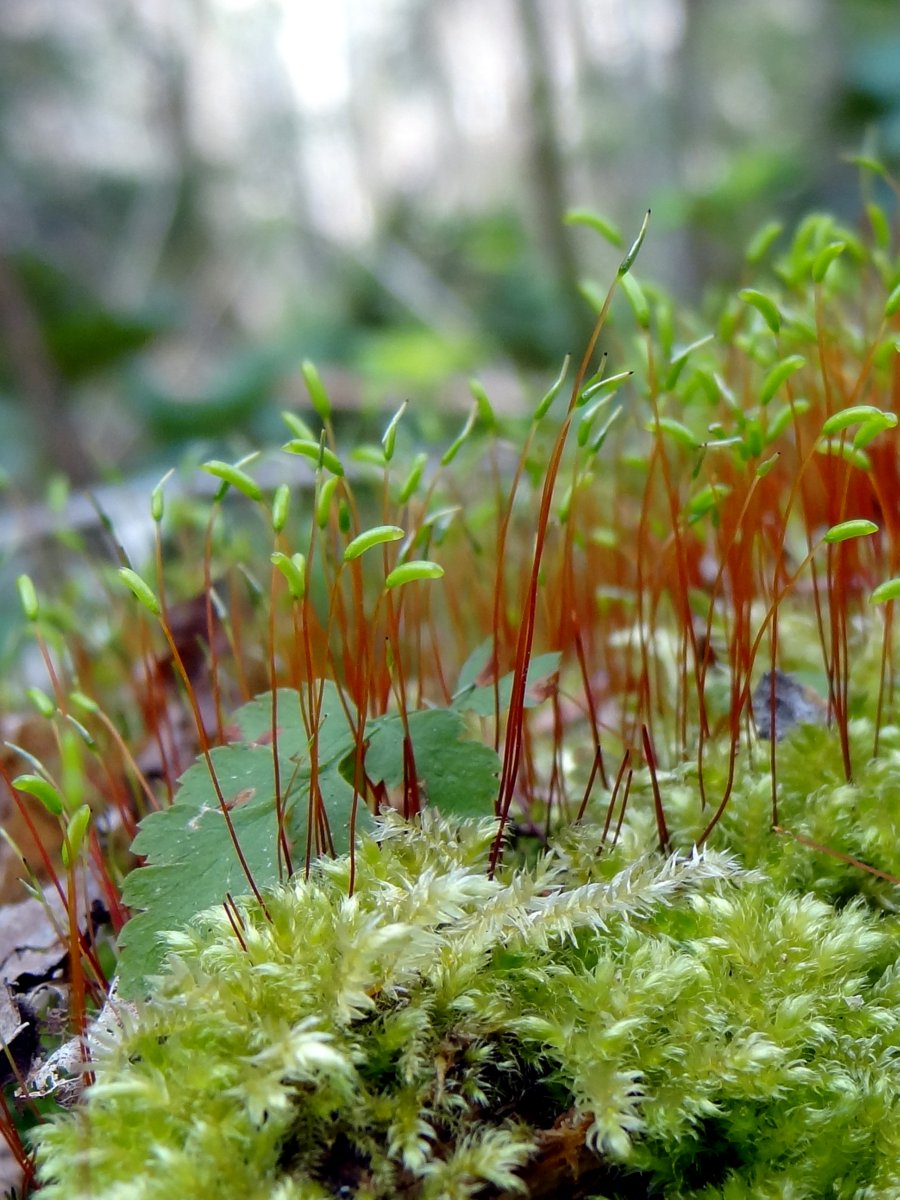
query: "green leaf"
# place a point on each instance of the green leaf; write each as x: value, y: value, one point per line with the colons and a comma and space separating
x: 459, y: 776
x: 254, y: 720
x: 474, y: 665
x: 191, y: 860
x: 480, y: 700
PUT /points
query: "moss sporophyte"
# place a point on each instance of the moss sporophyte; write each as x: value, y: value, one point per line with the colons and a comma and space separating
x: 535, y: 828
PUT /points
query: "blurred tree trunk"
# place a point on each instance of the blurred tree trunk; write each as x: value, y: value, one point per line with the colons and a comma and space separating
x: 37, y: 382
x: 547, y: 168
x: 690, y: 114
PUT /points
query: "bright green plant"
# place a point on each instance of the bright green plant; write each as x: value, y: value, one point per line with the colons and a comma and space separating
x: 403, y: 975
x: 696, y: 1031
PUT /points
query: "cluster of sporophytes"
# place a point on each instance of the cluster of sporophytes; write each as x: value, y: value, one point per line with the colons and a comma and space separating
x: 526, y: 871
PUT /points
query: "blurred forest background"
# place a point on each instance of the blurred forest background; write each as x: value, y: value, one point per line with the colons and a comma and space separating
x: 196, y: 194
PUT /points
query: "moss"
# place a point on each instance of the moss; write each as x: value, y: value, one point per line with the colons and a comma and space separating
x: 698, y: 1030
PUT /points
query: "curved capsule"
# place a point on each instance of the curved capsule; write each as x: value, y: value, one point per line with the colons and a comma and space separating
x: 372, y: 537
x: 849, y: 529
x: 889, y: 590
x: 35, y: 786
x: 319, y: 454
x: 409, y: 572
x: 140, y: 590
x: 235, y: 476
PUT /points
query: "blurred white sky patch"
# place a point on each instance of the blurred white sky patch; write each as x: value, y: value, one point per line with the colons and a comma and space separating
x: 314, y: 42
x: 337, y: 203
x: 481, y: 70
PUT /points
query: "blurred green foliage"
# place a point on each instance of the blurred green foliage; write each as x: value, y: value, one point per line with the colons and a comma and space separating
x: 176, y: 267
